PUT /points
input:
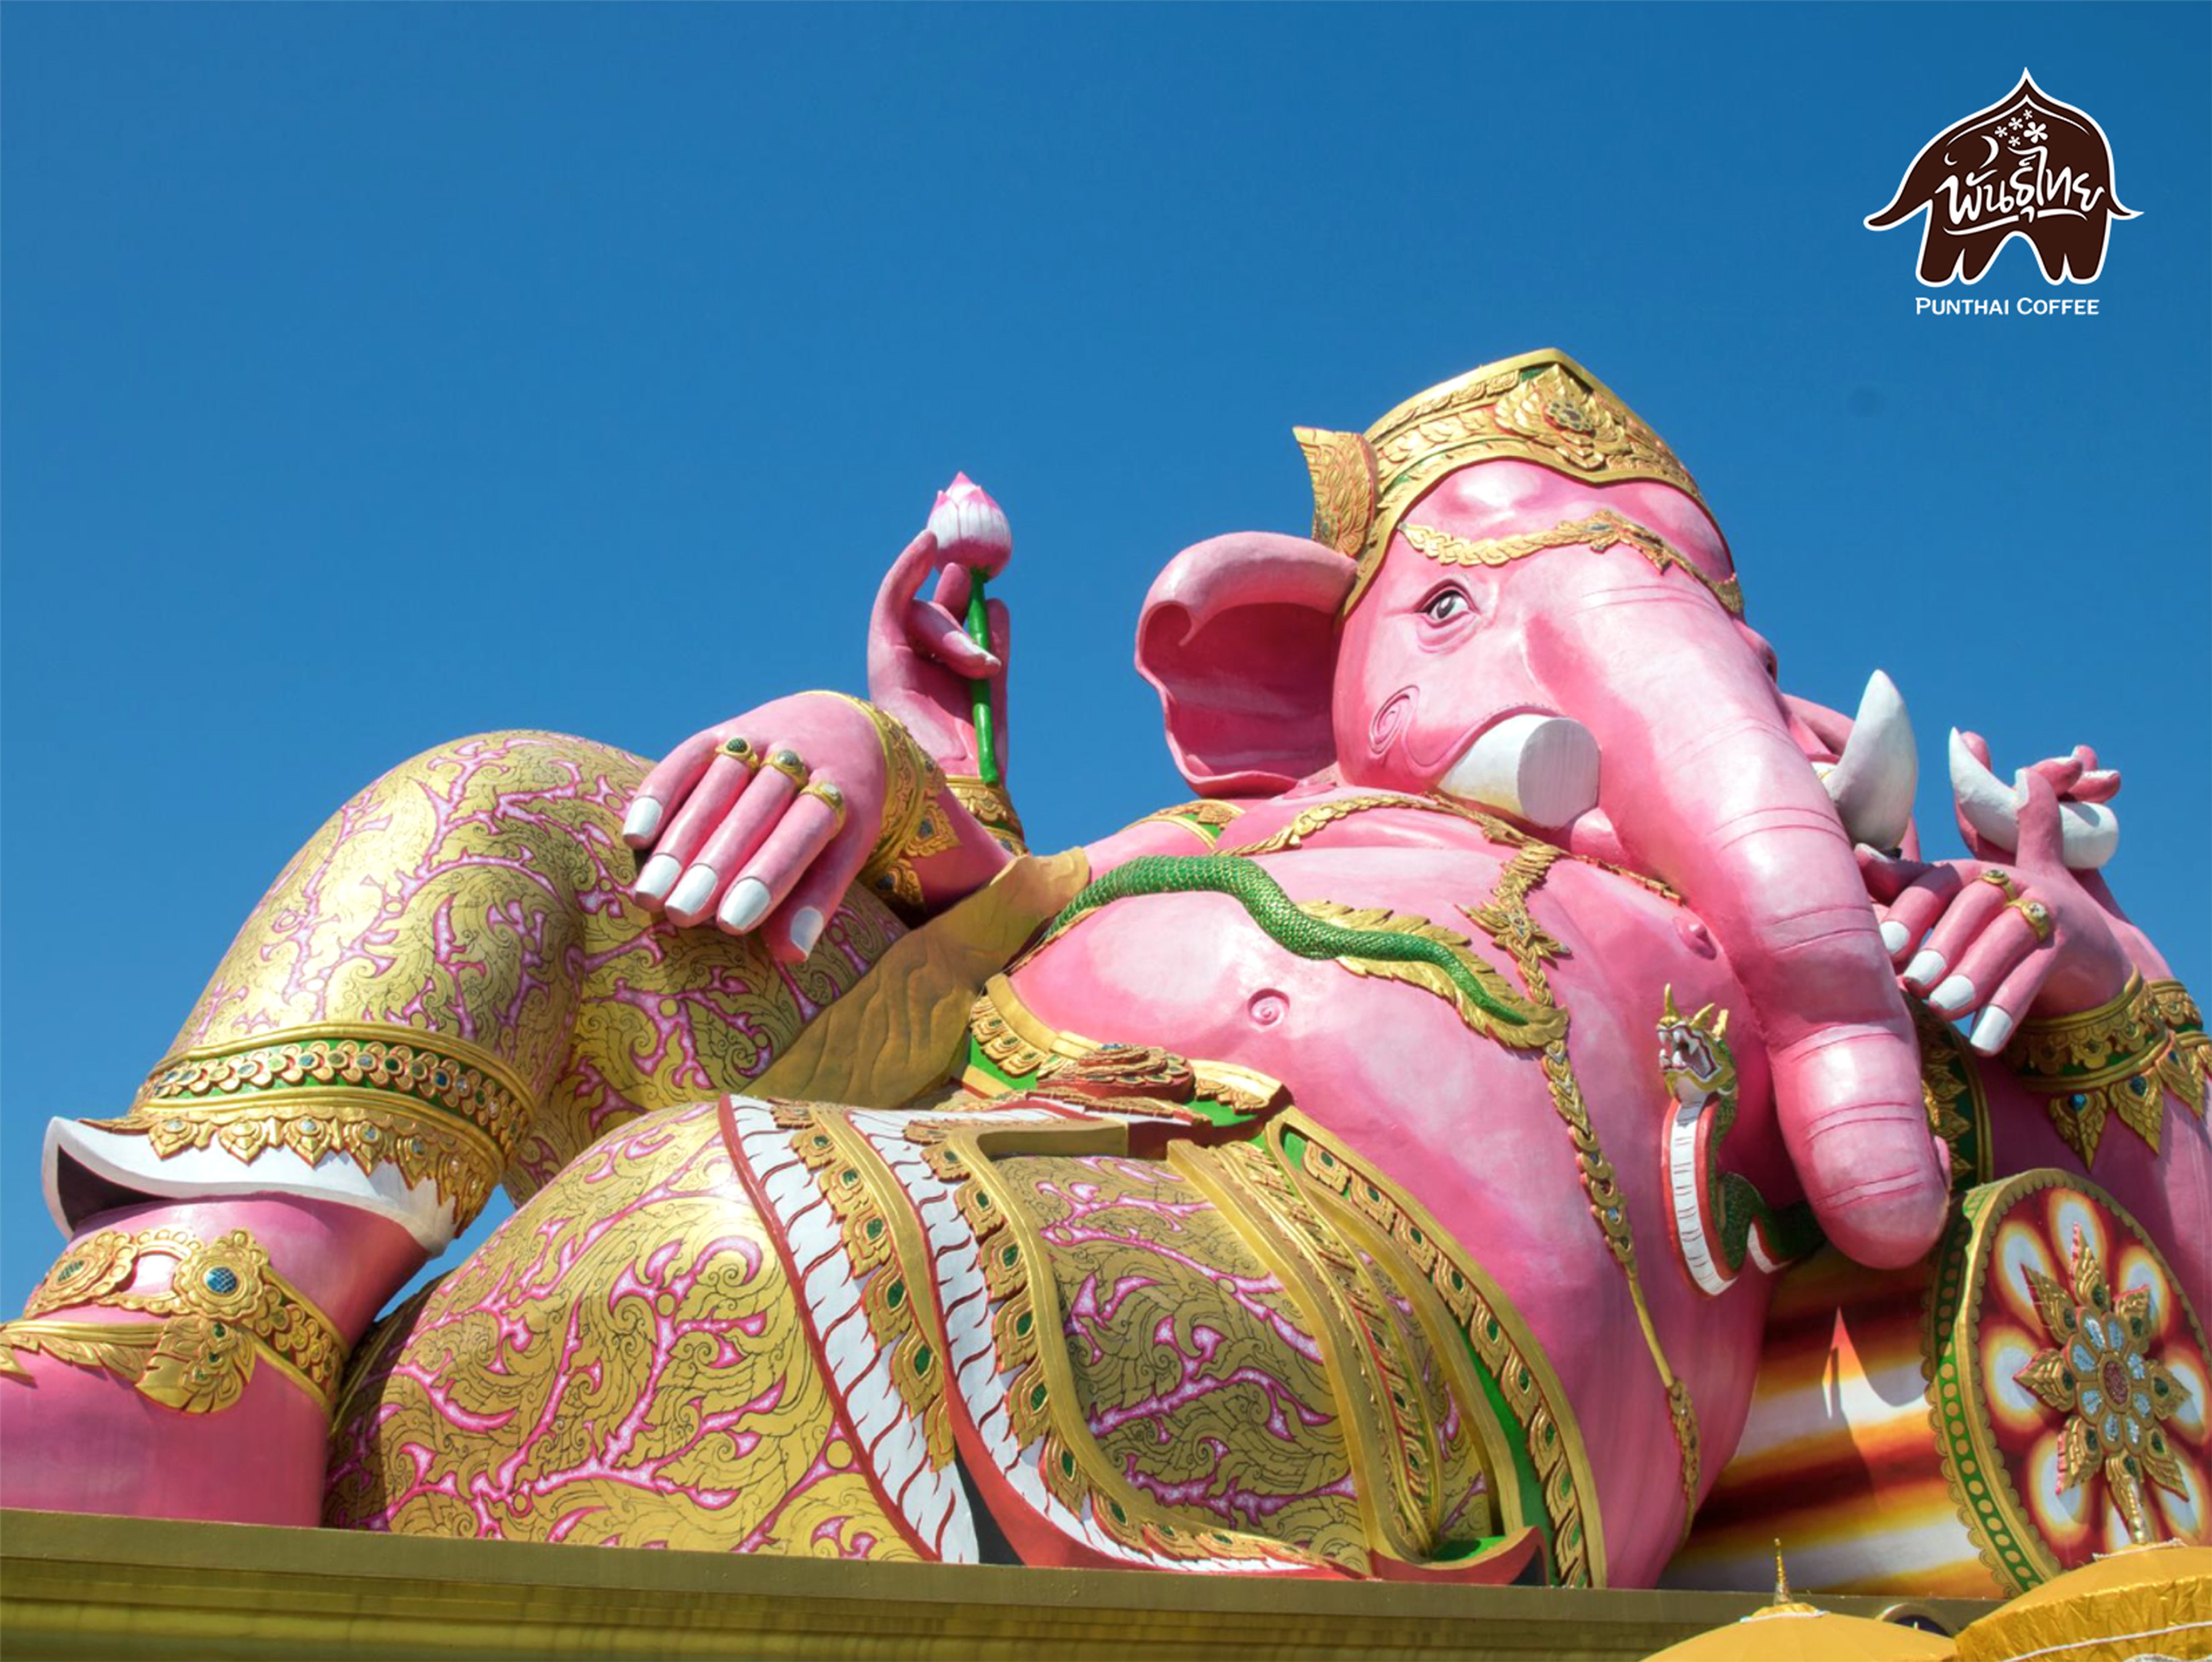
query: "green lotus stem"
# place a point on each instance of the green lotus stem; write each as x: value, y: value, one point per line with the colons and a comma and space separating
x: 979, y: 692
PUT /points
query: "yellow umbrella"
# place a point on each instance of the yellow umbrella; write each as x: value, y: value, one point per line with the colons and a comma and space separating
x: 2141, y: 1601
x: 1790, y: 1631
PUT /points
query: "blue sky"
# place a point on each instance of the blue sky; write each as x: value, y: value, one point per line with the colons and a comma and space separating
x: 379, y: 374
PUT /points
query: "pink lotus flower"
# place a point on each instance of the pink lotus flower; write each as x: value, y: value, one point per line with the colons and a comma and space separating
x: 969, y: 527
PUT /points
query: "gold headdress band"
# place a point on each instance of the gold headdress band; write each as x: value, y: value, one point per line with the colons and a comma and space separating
x: 1541, y: 407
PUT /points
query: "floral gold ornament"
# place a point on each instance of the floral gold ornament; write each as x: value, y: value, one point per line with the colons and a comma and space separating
x: 225, y: 1310
x: 413, y: 896
x: 1343, y: 468
x: 2115, y: 1397
x: 1506, y: 919
x: 1599, y: 532
x: 910, y: 824
x: 1205, y: 819
x: 440, y: 1110
x: 1541, y: 407
x: 993, y: 808
x: 1951, y: 1090
x: 2046, y: 1298
x: 2116, y: 1061
x: 706, y: 1331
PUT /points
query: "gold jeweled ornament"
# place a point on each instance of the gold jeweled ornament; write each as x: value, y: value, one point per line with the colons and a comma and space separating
x: 225, y: 1309
x: 992, y: 808
x: 911, y: 828
x: 2117, y: 1060
x: 1541, y: 407
x: 2113, y: 1395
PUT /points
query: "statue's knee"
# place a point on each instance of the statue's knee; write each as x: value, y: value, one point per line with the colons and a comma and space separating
x: 519, y: 760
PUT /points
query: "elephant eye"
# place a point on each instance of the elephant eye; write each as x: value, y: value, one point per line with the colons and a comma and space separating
x: 1445, y: 604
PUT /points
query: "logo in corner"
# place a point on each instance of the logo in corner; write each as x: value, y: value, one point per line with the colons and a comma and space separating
x: 2026, y: 167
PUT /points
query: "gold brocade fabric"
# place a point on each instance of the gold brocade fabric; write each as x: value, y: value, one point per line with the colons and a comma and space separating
x: 450, y: 977
x: 1196, y: 1371
x: 625, y: 1362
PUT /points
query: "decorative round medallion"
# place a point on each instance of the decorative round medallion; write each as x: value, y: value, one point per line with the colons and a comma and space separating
x: 2069, y: 1380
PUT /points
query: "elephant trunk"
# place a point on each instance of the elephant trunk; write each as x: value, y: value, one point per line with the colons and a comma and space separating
x: 1707, y: 789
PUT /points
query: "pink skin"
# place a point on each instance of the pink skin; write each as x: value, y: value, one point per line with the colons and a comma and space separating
x: 1704, y: 782
x: 719, y: 824
x: 729, y: 823
x: 1467, y: 1126
x: 78, y: 1439
x: 1967, y: 950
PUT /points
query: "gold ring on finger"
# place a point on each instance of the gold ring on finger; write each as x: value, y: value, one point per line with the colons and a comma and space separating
x: 787, y: 763
x: 740, y: 750
x: 831, y: 797
x: 1993, y: 875
x: 2037, y: 914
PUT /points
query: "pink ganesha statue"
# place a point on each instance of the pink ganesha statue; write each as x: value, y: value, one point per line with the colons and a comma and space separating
x: 1510, y: 1126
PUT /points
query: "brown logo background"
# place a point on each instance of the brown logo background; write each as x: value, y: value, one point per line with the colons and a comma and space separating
x: 2026, y: 167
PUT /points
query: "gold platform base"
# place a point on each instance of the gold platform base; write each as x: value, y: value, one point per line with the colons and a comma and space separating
x: 111, y: 1588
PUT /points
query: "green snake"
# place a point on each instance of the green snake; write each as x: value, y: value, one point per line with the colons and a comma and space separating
x: 1280, y: 919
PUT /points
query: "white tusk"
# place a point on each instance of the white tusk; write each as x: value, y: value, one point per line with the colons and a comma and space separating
x: 2089, y: 832
x: 1874, y: 780
x: 1539, y: 769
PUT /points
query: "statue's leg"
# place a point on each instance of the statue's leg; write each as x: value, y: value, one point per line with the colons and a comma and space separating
x: 448, y: 986
x: 625, y: 1362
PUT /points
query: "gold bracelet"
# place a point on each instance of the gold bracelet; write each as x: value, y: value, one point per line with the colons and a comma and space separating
x: 993, y: 808
x: 911, y: 781
x: 2115, y: 1061
x: 226, y: 1308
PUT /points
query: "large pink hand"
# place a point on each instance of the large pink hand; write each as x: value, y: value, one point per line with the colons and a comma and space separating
x: 2009, y: 939
x: 762, y: 821
x: 920, y: 660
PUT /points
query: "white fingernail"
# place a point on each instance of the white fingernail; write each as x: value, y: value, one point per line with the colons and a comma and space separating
x: 1955, y: 994
x: 806, y: 928
x: 692, y: 893
x: 659, y: 875
x: 1991, y: 1031
x: 746, y: 903
x: 1926, y: 964
x: 644, y: 818
x: 1894, y: 937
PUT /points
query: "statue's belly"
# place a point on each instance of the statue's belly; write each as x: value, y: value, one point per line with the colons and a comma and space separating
x: 1476, y: 1131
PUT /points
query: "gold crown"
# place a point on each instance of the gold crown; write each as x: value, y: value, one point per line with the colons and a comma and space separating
x: 1541, y: 407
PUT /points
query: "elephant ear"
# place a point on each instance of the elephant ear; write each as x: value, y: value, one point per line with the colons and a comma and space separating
x: 1239, y: 635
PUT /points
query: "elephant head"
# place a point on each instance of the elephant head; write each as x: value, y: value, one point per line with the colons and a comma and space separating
x: 1515, y: 595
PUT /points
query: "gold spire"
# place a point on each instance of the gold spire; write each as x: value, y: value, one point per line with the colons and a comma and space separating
x: 1785, y: 1602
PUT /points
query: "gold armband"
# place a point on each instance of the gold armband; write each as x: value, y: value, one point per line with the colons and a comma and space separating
x: 224, y: 1310
x: 911, y: 830
x: 993, y: 808
x: 2117, y: 1060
